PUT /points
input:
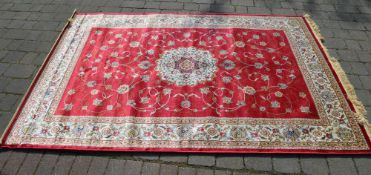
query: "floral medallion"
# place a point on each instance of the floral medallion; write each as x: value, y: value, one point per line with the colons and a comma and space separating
x: 186, y: 66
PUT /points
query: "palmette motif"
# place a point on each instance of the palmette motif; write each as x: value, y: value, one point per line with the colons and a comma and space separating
x: 55, y: 118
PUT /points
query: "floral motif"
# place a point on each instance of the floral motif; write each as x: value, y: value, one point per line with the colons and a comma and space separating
x: 239, y: 44
x: 228, y: 64
x: 184, y: 131
x: 291, y: 133
x: 249, y: 90
x: 123, y: 89
x: 185, y: 104
x: 145, y: 64
x: 238, y: 133
x: 132, y: 132
x: 134, y: 44
x: 213, y: 131
x: 186, y: 66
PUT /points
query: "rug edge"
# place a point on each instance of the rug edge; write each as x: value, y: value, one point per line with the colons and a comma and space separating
x: 189, y: 150
x: 13, y: 119
x: 360, y: 110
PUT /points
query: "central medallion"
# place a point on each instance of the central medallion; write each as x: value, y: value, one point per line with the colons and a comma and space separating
x: 186, y: 66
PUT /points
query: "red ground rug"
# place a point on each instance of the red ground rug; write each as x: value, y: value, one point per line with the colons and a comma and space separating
x: 190, y: 83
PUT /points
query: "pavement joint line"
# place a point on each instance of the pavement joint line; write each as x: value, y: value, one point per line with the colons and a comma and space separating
x: 300, y: 166
x: 55, y: 163
x: 73, y: 162
x: 7, y: 159
x: 38, y: 163
x: 354, y: 162
x: 181, y: 164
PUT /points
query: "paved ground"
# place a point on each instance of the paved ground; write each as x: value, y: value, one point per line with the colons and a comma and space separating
x: 29, y: 27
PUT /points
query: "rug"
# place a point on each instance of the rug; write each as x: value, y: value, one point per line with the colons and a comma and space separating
x: 190, y: 83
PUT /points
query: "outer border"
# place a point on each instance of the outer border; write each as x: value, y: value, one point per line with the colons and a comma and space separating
x: 33, y: 83
x: 197, y: 150
x: 184, y: 150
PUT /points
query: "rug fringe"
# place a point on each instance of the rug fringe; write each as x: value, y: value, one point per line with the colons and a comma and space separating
x: 314, y: 27
x: 360, y: 110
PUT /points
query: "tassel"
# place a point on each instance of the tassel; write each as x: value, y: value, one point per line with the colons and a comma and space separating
x: 360, y: 110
